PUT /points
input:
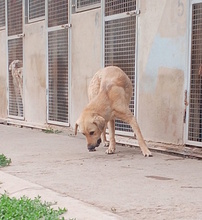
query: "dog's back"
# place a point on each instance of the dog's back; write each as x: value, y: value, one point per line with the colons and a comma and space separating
x: 108, y: 77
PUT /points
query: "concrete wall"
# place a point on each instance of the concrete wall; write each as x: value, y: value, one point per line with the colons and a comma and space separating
x: 35, y: 73
x: 162, y: 63
x: 86, y: 51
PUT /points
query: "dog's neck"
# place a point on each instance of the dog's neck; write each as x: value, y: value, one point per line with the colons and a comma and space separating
x: 100, y: 105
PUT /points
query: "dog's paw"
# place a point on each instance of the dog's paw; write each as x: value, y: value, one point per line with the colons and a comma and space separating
x: 106, y: 144
x: 147, y: 153
x: 110, y: 151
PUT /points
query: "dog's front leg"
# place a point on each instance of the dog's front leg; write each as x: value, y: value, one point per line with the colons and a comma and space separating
x: 104, y: 139
x: 133, y: 123
x: 145, y: 151
x: 128, y: 117
x: 112, y: 143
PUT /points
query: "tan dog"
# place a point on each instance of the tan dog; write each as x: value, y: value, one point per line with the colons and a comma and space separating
x: 16, y: 68
x: 109, y: 92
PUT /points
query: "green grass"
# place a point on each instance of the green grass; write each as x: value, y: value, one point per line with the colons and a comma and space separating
x: 51, y: 131
x: 28, y: 209
x: 4, y: 161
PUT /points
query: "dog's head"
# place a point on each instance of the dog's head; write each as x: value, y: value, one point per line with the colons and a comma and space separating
x: 15, y: 64
x: 91, y: 125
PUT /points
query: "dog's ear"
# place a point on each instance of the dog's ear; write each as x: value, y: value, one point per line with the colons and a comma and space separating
x: 10, y: 67
x: 100, y: 122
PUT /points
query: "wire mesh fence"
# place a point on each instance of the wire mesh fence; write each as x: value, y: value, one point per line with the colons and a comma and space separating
x: 119, y: 6
x: 15, y: 17
x: 120, y: 41
x: 2, y: 13
x: 57, y: 12
x: 58, y: 76
x: 36, y: 9
x: 15, y: 58
x: 86, y: 4
x: 195, y: 105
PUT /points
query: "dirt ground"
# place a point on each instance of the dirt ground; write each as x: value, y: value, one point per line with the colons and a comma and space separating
x: 125, y: 183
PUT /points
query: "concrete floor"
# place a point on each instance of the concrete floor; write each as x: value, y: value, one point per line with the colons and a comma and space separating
x: 125, y: 184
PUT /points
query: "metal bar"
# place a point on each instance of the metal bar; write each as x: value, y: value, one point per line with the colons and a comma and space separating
x: 58, y: 123
x: 122, y: 15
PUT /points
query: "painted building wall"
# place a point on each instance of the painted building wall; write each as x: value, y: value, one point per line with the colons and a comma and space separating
x: 162, y: 66
x: 35, y: 73
x: 86, y: 52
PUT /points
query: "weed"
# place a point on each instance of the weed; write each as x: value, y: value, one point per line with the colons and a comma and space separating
x: 51, y: 131
x: 26, y: 208
x: 4, y: 161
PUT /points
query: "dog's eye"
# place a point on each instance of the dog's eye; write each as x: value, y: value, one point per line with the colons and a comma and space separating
x: 92, y: 133
x: 83, y: 134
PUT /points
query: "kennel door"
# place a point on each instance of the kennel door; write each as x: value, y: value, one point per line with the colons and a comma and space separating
x: 14, y: 16
x: 120, y: 44
x: 58, y: 77
x: 2, y: 14
x: 194, y: 109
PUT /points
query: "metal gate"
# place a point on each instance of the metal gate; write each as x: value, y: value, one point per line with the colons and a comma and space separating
x: 2, y: 14
x: 120, y: 43
x: 194, y: 125
x: 58, y: 37
x: 14, y: 18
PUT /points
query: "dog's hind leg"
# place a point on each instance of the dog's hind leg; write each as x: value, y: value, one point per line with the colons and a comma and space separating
x: 112, y: 142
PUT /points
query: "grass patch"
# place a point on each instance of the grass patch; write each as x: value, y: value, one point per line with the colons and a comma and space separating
x: 51, y: 131
x: 4, y: 161
x: 26, y: 208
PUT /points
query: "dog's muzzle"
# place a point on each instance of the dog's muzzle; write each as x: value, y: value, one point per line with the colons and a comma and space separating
x: 92, y: 147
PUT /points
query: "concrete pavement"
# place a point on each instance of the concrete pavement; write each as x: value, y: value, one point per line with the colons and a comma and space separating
x: 94, y: 185
x: 17, y: 187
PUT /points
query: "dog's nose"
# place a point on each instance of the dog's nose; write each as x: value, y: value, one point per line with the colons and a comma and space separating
x: 91, y: 148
